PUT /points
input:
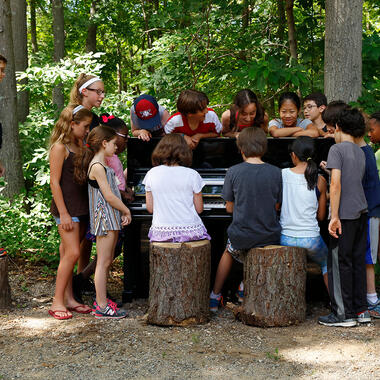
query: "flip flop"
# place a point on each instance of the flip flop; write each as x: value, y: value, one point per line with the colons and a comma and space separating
x: 81, y: 309
x: 54, y: 314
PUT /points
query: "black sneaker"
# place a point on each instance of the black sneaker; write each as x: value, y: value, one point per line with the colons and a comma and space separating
x: 333, y: 320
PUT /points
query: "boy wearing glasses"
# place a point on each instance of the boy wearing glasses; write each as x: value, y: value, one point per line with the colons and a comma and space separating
x: 313, y: 106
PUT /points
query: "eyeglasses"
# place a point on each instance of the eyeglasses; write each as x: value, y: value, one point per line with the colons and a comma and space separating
x: 122, y: 135
x: 99, y: 92
x: 309, y: 107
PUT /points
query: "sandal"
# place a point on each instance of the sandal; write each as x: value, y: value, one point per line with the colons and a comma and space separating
x: 80, y: 309
x: 54, y: 314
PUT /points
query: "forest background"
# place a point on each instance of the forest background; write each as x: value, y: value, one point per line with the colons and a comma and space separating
x: 160, y: 48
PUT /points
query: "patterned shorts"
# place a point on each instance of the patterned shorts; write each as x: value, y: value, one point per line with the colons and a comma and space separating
x: 238, y: 254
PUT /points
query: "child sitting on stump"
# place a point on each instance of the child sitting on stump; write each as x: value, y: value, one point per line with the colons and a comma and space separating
x: 253, y: 192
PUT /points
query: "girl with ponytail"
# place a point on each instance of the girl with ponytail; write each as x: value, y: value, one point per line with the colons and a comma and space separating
x: 69, y: 205
x: 304, y: 203
x: 107, y: 212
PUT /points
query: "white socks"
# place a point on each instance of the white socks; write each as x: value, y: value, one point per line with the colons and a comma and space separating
x: 214, y: 296
x: 372, y: 298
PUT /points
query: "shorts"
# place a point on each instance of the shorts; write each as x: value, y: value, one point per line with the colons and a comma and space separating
x: 317, y: 250
x: 75, y: 219
x: 238, y: 254
x: 372, y: 240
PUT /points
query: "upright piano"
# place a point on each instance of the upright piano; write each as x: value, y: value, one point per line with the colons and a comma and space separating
x: 211, y: 158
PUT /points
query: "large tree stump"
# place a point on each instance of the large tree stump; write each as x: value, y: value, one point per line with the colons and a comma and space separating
x: 274, y: 286
x: 5, y: 289
x: 179, y: 283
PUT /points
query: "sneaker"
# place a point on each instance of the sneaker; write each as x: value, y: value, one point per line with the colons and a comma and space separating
x: 3, y: 252
x: 240, y: 293
x: 364, y: 317
x: 374, y: 309
x: 109, y: 312
x: 215, y: 303
x: 333, y: 320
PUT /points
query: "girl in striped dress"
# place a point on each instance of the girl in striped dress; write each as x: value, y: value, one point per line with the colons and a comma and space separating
x: 107, y: 212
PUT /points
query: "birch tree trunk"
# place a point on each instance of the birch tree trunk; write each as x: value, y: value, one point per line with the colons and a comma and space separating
x: 59, y: 47
x: 20, y: 44
x: 343, y: 50
x: 10, y: 154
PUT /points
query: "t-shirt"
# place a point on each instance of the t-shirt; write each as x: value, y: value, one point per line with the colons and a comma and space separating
x: 174, y: 213
x: 115, y: 163
x: 377, y: 155
x: 136, y: 121
x: 303, y: 123
x: 350, y: 160
x: 178, y: 123
x: 371, y: 182
x: 299, y: 206
x: 255, y: 189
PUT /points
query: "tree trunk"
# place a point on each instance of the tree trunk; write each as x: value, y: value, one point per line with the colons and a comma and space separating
x: 274, y: 286
x: 20, y: 44
x: 343, y: 50
x: 179, y: 283
x: 10, y: 154
x: 59, y: 48
x: 33, y: 27
x: 91, y: 31
x: 5, y: 289
x: 281, y: 20
x: 291, y: 29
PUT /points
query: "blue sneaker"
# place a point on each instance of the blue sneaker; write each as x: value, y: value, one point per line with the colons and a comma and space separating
x: 364, y: 317
x: 240, y: 293
x: 374, y: 309
x: 215, y: 303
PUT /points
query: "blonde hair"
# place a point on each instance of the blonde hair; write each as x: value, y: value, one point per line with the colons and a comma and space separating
x: 62, y: 129
x: 75, y: 96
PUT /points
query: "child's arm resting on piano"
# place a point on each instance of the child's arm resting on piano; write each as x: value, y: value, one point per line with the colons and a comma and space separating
x: 149, y: 201
x: 230, y: 207
x: 198, y: 202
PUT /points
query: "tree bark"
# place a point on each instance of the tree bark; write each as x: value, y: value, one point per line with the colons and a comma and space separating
x: 5, y: 289
x: 59, y: 47
x: 33, y: 27
x: 92, y: 29
x: 281, y: 19
x: 291, y: 29
x: 179, y: 283
x: 20, y: 44
x: 10, y: 154
x: 274, y: 286
x: 343, y: 50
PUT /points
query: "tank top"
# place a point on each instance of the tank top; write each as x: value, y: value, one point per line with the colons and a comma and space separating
x: 74, y: 195
x: 299, y: 206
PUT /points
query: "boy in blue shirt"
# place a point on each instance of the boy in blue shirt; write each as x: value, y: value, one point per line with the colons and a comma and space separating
x: 348, y: 225
x: 252, y: 191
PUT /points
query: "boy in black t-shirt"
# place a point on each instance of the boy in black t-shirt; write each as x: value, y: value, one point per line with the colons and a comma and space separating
x: 348, y: 225
x: 253, y: 192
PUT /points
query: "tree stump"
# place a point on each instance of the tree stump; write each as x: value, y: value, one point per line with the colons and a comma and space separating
x: 179, y: 283
x: 5, y: 289
x: 274, y: 286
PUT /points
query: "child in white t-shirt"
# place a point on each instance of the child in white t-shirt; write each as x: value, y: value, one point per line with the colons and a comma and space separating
x: 173, y: 193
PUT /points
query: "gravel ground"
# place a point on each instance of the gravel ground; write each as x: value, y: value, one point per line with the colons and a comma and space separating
x: 35, y: 346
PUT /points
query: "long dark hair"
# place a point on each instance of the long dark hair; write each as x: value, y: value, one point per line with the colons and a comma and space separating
x: 303, y: 147
x: 241, y: 100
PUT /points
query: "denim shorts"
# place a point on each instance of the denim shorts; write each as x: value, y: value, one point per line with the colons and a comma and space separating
x: 317, y: 250
x: 75, y: 219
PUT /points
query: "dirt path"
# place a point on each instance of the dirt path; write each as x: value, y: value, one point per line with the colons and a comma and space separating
x: 35, y: 346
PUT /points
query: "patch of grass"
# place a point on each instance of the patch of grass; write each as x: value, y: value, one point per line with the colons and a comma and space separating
x: 273, y: 355
x: 195, y: 338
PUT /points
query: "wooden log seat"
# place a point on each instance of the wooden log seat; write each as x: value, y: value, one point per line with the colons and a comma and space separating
x: 274, y: 286
x: 5, y: 290
x: 179, y: 283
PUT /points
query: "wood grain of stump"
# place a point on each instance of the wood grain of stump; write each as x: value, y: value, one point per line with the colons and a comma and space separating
x: 179, y: 283
x: 5, y: 289
x: 274, y: 286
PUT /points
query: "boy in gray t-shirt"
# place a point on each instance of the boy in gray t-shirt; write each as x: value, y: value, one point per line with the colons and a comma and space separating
x: 348, y: 225
x: 253, y: 192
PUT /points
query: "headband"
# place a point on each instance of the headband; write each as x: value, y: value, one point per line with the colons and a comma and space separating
x: 77, y: 108
x: 86, y: 84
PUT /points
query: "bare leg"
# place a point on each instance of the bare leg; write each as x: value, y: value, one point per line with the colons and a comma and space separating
x: 326, y: 281
x: 223, y: 271
x: 105, y: 246
x: 370, y: 271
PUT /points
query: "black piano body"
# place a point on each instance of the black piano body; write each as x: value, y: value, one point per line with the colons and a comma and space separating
x: 211, y: 159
